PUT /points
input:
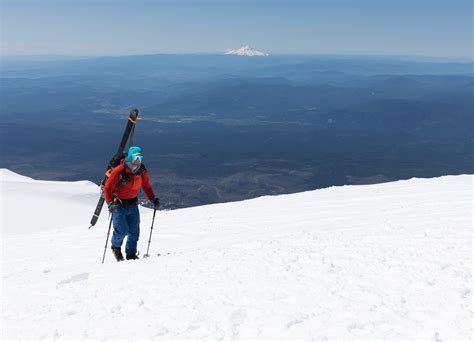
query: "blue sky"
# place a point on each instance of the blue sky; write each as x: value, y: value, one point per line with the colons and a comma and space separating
x: 440, y: 28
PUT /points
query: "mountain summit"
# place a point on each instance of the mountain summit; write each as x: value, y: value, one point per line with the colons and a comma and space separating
x: 245, y: 50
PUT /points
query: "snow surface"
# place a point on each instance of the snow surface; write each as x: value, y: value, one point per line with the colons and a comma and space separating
x: 29, y: 205
x: 246, y: 51
x: 387, y: 261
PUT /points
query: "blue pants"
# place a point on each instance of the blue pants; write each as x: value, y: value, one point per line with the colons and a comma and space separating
x: 126, y: 223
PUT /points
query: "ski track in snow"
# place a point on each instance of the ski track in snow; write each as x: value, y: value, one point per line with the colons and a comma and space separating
x: 381, y: 261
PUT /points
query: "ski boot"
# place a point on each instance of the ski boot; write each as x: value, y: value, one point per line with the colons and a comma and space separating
x: 132, y: 256
x: 117, y: 253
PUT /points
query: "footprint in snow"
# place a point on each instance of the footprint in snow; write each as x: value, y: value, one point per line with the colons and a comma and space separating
x: 436, y: 338
x: 75, y: 278
x: 296, y: 321
x: 71, y: 312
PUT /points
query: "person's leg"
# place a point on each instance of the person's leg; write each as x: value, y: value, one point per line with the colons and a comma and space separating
x: 121, y: 227
x: 133, y: 220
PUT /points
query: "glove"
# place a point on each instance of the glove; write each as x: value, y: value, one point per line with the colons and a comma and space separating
x: 113, y: 205
x: 156, y: 202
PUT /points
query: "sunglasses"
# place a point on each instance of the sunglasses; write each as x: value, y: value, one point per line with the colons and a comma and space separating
x: 137, y: 156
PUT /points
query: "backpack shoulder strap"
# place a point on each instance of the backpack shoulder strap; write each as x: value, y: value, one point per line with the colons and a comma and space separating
x: 141, y: 171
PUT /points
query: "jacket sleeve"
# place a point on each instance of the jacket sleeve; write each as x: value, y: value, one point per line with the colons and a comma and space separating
x: 112, y: 183
x: 146, y: 186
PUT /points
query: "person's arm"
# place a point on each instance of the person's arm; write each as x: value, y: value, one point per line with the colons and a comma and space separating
x: 111, y: 184
x: 147, y: 186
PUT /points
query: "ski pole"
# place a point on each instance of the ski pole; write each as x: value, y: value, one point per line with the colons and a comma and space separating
x: 151, y: 231
x: 107, y: 240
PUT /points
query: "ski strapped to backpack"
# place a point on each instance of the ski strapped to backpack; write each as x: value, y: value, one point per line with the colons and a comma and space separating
x: 115, y: 161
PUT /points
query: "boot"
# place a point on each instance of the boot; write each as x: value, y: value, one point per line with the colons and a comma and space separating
x: 117, y: 253
x: 132, y: 257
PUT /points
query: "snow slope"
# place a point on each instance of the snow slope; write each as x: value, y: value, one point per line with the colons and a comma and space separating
x: 387, y: 261
x: 29, y: 205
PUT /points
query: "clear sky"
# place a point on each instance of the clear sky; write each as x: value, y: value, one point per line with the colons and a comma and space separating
x: 440, y: 28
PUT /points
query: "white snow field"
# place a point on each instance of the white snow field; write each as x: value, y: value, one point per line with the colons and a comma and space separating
x: 387, y: 261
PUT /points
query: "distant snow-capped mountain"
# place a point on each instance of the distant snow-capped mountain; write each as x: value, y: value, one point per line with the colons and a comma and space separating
x: 245, y: 51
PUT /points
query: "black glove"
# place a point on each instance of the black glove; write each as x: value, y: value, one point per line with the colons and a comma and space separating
x: 113, y: 206
x: 156, y: 202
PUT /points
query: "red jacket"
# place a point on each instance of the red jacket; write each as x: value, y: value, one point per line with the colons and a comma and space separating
x: 131, y: 188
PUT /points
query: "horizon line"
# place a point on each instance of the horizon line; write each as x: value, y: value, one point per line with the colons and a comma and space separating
x: 459, y: 59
